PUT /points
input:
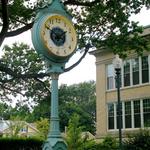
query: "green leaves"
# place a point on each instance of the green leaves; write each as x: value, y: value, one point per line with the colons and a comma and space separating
x: 74, y: 134
x: 138, y: 141
x: 95, y: 21
x: 23, y: 73
x: 43, y: 126
x: 107, y: 24
x: 79, y: 99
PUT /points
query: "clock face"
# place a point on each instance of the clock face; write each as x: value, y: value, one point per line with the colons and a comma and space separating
x: 59, y: 35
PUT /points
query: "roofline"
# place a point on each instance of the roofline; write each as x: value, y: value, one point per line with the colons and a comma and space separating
x: 147, y: 26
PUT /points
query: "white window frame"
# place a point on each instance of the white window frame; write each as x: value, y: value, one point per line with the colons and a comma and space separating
x: 131, y: 69
x: 114, y: 84
x: 123, y: 115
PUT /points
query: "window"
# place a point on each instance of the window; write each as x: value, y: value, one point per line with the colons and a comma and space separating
x: 118, y: 116
x: 128, y: 115
x: 24, y: 129
x: 111, y: 116
x: 137, y: 116
x: 135, y: 71
x: 110, y: 77
x: 127, y: 73
x: 145, y: 69
x: 134, y: 114
x: 146, y: 112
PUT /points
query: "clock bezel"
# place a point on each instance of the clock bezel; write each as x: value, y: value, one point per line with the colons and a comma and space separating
x: 71, y: 40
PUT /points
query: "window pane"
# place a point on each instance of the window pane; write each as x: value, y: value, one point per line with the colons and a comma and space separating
x: 137, y: 117
x: 127, y: 73
x: 110, y: 83
x: 110, y: 116
x: 135, y: 69
x: 110, y: 77
x: 145, y: 69
x: 146, y: 112
x: 128, y: 115
x: 118, y: 115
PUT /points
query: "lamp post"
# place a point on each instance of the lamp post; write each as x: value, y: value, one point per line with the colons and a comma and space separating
x: 117, y: 62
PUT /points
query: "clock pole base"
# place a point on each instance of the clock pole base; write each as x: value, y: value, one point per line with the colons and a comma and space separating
x: 54, y: 143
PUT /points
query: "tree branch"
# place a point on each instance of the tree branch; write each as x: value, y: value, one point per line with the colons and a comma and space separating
x: 42, y: 84
x: 81, y: 58
x: 20, y: 30
x: 9, y: 89
x: 16, y: 75
x: 5, y: 21
x: 29, y: 26
x: 80, y: 3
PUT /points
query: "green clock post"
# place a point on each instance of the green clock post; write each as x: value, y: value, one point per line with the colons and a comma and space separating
x: 54, y: 38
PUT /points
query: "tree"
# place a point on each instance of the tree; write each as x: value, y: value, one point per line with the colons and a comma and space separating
x: 5, y: 111
x: 80, y: 99
x: 41, y: 110
x: 22, y: 75
x: 43, y: 126
x: 74, y: 134
x: 77, y: 98
x: 98, y: 23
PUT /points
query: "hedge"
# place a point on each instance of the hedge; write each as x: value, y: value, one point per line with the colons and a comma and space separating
x: 20, y: 144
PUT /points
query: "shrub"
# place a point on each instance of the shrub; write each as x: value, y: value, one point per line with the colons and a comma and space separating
x: 90, y: 145
x: 140, y: 141
x: 20, y: 144
x: 109, y: 143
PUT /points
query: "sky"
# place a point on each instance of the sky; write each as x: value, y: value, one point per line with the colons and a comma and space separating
x: 86, y: 70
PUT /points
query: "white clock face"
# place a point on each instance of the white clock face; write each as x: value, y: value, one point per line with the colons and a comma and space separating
x: 59, y: 35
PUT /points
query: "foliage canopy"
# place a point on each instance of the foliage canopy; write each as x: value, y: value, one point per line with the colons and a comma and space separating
x: 99, y: 23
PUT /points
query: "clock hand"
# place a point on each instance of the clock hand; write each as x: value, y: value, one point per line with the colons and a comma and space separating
x: 47, y: 26
x: 63, y: 34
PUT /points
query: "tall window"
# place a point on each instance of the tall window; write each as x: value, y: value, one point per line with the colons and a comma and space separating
x: 135, y: 71
x: 111, y: 116
x: 110, y: 77
x: 137, y: 116
x: 128, y: 123
x: 118, y: 116
x: 146, y: 112
x: 145, y: 69
x: 127, y: 73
